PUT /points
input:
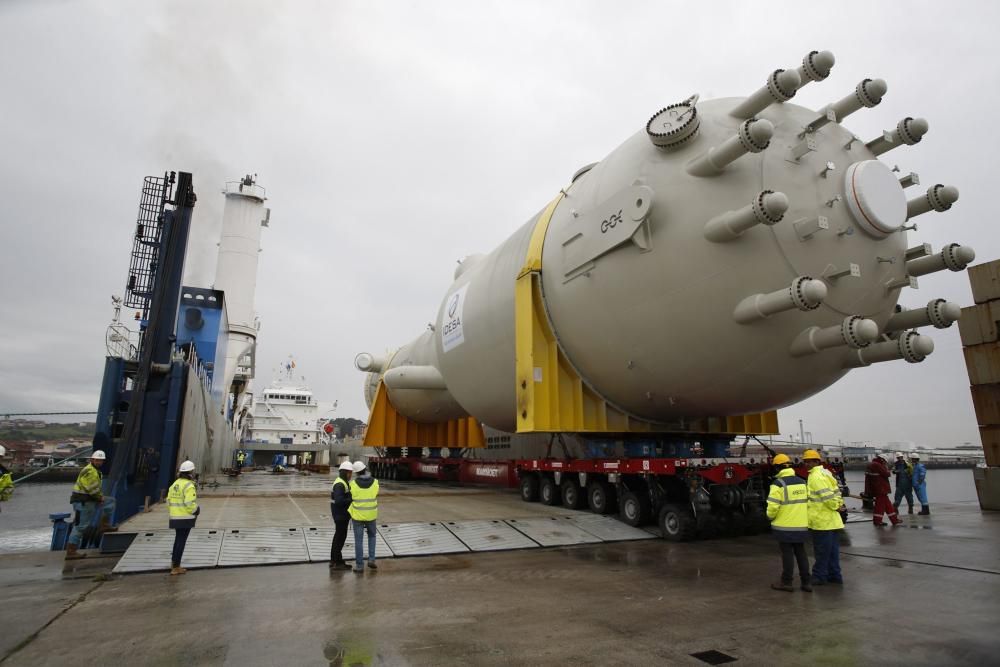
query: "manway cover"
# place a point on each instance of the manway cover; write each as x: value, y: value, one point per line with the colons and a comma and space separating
x: 262, y: 546
x: 318, y: 541
x: 553, y: 531
x: 609, y: 529
x: 420, y: 539
x: 150, y: 551
x: 489, y: 535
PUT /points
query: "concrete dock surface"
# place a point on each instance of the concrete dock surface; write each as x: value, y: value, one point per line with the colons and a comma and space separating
x: 926, y: 593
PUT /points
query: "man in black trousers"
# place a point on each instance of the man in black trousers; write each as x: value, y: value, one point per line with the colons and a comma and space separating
x: 340, y: 500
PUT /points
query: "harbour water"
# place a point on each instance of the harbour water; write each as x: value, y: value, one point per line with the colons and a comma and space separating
x: 24, y: 519
x: 24, y: 524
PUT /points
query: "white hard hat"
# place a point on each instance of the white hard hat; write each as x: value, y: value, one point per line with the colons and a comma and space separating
x: 358, y: 466
x: 99, y: 455
x: 187, y: 466
x: 899, y: 455
x: 347, y: 465
x: 3, y: 451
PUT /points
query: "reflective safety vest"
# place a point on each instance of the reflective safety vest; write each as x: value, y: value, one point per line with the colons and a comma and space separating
x: 787, y: 503
x: 182, y: 499
x: 88, y: 482
x: 364, y: 502
x: 6, y: 486
x: 240, y: 457
x: 824, y: 500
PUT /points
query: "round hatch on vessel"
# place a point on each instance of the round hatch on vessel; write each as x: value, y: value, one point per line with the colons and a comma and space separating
x: 875, y: 198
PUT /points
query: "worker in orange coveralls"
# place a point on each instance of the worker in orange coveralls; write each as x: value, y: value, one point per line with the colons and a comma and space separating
x: 878, y: 488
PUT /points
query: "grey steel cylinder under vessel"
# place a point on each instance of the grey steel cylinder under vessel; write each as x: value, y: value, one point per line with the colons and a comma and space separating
x: 734, y: 256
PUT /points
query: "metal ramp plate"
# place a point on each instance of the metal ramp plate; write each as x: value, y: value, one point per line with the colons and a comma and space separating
x: 553, y: 531
x: 318, y: 542
x: 150, y: 551
x: 420, y: 539
x: 263, y: 546
x: 489, y: 535
x: 609, y: 529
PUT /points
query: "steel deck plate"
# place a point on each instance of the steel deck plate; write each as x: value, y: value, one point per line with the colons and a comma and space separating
x: 489, y: 535
x: 318, y: 542
x: 420, y: 539
x: 263, y: 546
x: 150, y: 551
x: 608, y: 528
x: 553, y: 531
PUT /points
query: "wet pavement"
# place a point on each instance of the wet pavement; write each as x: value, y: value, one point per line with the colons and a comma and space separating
x: 926, y: 593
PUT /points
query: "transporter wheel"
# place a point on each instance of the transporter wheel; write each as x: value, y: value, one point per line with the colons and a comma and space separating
x: 529, y: 487
x: 677, y: 523
x: 549, y: 492
x: 403, y: 472
x: 601, y: 497
x: 756, y: 520
x: 634, y: 509
x: 572, y: 495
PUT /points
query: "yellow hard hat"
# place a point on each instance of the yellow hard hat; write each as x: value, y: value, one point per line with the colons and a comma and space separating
x: 780, y: 458
x: 811, y: 454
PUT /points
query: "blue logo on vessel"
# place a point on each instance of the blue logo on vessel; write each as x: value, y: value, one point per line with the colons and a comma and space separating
x: 453, y: 306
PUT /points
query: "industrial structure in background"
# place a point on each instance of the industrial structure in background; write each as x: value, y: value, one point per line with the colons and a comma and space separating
x: 178, y: 386
x: 733, y: 257
x: 981, y: 340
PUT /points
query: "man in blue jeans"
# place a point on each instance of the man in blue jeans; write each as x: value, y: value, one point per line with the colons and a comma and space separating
x: 94, y: 507
x: 364, y: 513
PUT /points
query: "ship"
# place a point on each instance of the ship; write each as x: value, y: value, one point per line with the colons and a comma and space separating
x: 178, y: 376
x: 286, y: 420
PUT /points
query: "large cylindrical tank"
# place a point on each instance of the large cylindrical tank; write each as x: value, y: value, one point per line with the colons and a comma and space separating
x: 735, y: 256
x: 236, y: 270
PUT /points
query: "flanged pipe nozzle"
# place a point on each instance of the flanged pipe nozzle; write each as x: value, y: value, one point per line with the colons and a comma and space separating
x: 867, y: 94
x: 938, y: 312
x: 804, y: 293
x: 780, y: 87
x: 816, y: 66
x: 767, y: 208
x: 938, y: 198
x: 953, y: 257
x: 752, y: 137
x: 910, y: 345
x: 908, y: 132
x: 855, y: 332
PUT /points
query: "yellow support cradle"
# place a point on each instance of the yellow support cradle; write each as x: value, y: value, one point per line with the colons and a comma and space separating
x: 388, y: 428
x: 551, y: 396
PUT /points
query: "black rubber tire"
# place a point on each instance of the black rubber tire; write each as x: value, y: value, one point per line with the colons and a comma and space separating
x: 601, y: 497
x: 529, y: 487
x: 633, y: 508
x: 549, y: 492
x: 756, y: 520
x: 572, y: 495
x: 677, y: 524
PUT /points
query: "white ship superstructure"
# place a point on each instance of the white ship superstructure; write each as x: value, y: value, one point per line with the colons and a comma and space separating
x: 286, y: 419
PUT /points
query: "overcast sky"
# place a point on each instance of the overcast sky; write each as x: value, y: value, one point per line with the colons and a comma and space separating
x: 396, y: 137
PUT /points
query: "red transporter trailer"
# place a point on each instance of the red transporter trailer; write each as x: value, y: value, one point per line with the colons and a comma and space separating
x: 687, y: 497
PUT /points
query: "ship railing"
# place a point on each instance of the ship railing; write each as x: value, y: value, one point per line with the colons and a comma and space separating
x: 122, y: 342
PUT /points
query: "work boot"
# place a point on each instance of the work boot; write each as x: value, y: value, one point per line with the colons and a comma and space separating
x: 359, y: 568
x: 925, y: 510
x: 806, y: 586
x: 372, y: 565
x: 73, y: 553
x: 106, y: 526
x: 782, y: 586
x: 176, y: 569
